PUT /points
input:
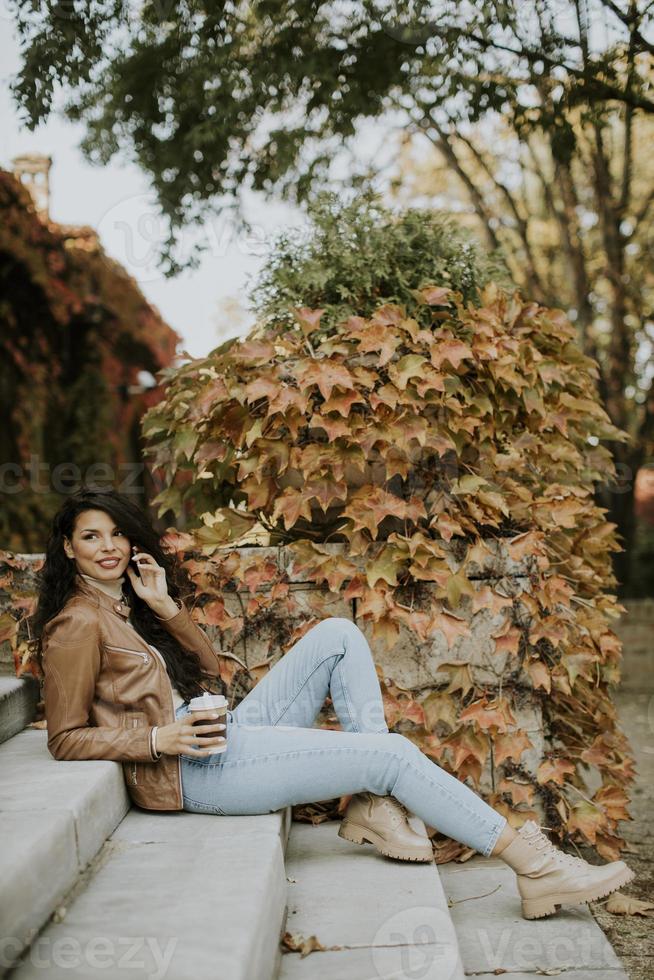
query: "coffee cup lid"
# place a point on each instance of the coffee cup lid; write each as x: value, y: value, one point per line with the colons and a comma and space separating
x: 208, y: 700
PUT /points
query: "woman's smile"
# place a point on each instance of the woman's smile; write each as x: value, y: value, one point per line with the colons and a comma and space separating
x: 109, y: 562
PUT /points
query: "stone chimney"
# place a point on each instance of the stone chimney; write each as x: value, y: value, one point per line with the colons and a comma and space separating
x: 33, y: 170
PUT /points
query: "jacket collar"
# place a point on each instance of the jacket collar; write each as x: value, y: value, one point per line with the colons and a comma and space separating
x: 100, y: 598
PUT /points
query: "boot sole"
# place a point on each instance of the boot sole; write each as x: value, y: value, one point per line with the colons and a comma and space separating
x: 538, y: 908
x: 361, y: 835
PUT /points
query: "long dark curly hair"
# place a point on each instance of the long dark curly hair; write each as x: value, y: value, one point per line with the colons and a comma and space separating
x: 56, y: 581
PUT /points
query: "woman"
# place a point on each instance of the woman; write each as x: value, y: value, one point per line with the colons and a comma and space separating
x: 122, y: 657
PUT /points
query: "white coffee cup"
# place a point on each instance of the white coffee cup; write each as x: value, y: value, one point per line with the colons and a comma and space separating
x: 210, y: 702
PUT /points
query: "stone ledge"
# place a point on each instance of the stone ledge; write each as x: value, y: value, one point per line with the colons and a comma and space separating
x: 32, y: 842
x: 54, y: 818
x: 192, y: 895
x: 18, y: 699
x: 93, y: 791
x: 386, y: 918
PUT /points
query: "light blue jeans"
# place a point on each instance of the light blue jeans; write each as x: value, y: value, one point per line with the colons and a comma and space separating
x: 274, y: 758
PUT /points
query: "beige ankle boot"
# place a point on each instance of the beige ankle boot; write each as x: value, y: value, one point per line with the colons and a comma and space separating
x: 548, y: 878
x: 383, y: 821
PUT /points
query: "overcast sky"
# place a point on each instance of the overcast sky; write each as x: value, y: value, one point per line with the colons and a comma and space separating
x: 202, y: 305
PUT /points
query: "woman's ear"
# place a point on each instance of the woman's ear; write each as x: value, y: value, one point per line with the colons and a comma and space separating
x: 68, y: 548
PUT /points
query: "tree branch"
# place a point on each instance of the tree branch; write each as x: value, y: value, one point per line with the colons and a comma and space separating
x: 630, y: 20
x: 603, y: 88
x: 642, y: 213
x: 442, y: 143
x: 625, y: 193
x: 646, y: 428
x: 534, y: 282
x: 619, y: 363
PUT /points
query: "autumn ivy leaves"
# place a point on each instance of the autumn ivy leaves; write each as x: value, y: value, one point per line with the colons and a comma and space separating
x: 410, y: 439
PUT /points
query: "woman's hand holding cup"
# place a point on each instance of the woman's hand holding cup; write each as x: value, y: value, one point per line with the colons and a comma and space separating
x: 195, y: 733
x: 183, y: 737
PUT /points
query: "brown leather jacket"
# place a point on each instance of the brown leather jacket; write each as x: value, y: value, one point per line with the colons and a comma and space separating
x: 105, y: 688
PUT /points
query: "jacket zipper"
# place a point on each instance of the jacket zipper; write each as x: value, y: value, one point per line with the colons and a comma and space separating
x: 146, y: 660
x: 172, y: 703
x: 136, y: 653
x: 133, y: 769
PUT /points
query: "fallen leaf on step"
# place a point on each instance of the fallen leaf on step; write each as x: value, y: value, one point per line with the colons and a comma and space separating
x: 298, y: 944
x: 549, y: 973
x: 619, y: 904
x: 445, y: 849
x: 292, y: 880
x: 38, y: 724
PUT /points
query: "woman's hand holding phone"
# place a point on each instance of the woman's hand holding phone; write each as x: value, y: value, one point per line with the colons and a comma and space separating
x: 149, y: 582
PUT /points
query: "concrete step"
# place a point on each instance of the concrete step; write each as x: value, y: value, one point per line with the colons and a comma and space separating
x: 378, y: 919
x: 82, y: 870
x: 18, y: 700
x: 495, y: 939
x: 174, y: 894
x: 54, y: 818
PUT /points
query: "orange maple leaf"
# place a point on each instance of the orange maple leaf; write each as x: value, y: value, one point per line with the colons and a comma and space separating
x: 308, y: 319
x: 369, y: 506
x: 333, y: 427
x: 386, y: 629
x: 519, y: 792
x: 510, y: 746
x: 540, y: 675
x: 614, y: 801
x: 465, y: 742
x: 326, y: 374
x: 387, y: 395
x: 255, y: 352
x: 554, y: 771
x: 325, y: 491
x: 497, y: 714
x: 292, y: 505
x: 587, y: 818
x: 452, y: 350
x: 342, y: 402
x: 435, y: 295
x: 377, y: 337
x: 452, y: 627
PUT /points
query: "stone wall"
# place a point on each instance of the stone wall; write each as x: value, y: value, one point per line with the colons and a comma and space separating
x: 411, y: 663
x: 423, y: 668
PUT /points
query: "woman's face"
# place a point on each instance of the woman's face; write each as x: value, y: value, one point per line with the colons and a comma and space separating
x: 98, y: 546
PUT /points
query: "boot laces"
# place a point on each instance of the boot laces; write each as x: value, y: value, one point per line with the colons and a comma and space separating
x: 535, y: 836
x: 396, y: 807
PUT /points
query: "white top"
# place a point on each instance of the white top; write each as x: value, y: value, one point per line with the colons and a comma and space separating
x: 177, y: 697
x: 114, y: 589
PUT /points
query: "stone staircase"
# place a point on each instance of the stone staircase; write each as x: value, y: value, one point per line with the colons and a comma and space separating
x: 376, y: 919
x: 95, y: 887
x: 18, y: 700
